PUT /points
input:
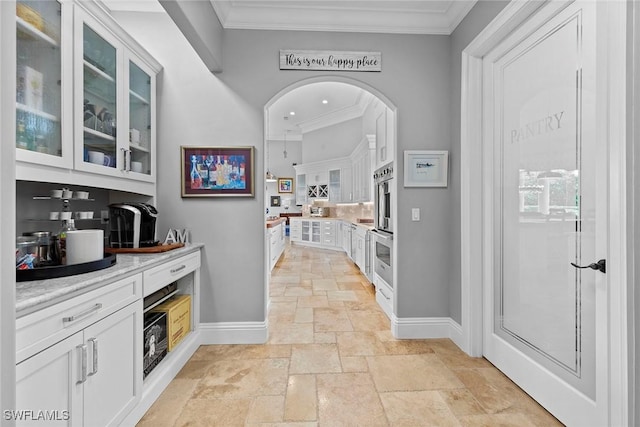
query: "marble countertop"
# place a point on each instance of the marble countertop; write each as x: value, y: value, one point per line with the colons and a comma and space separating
x: 37, y: 294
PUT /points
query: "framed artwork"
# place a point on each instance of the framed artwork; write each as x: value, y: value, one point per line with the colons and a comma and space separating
x: 217, y: 171
x: 285, y: 185
x: 425, y: 168
x: 275, y: 201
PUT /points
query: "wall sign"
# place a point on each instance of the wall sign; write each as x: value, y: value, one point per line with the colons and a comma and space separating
x: 327, y: 60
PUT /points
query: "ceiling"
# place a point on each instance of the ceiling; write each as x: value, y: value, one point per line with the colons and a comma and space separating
x: 344, y: 101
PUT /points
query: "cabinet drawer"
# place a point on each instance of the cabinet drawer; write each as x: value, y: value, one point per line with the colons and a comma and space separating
x: 160, y: 276
x: 45, y: 327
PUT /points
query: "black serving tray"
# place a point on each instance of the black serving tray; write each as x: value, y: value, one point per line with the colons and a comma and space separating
x: 51, y: 272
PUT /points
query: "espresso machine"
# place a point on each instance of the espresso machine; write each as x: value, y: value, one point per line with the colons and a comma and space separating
x: 132, y: 225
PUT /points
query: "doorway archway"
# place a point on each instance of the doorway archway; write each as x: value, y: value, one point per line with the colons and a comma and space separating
x: 368, y: 96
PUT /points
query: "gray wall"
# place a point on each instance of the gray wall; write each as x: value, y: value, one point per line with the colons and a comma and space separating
x: 197, y: 107
x: 332, y: 142
x: 633, y: 200
x: 482, y: 13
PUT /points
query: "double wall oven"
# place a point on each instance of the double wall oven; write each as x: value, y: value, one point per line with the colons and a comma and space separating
x: 383, y: 233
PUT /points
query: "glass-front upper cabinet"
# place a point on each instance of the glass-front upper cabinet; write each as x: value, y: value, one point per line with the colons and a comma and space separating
x: 43, y: 83
x: 101, y: 59
x: 141, y: 114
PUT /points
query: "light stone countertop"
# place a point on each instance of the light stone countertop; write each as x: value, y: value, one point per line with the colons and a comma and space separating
x: 37, y: 294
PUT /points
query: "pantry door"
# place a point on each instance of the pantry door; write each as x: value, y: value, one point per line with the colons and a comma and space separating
x: 546, y: 194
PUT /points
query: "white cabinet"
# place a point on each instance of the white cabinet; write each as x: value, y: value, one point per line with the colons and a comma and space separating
x: 363, y: 160
x: 327, y: 180
x: 276, y: 244
x: 301, y: 189
x: 384, y: 138
x: 384, y: 296
x: 361, y: 250
x: 328, y: 230
x: 97, y: 121
x: 295, y: 229
x: 93, y: 375
x: 314, y: 232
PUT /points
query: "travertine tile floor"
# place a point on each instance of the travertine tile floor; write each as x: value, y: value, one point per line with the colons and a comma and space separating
x: 331, y: 361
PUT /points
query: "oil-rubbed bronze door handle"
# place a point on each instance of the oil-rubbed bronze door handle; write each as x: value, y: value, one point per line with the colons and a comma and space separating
x: 600, y: 266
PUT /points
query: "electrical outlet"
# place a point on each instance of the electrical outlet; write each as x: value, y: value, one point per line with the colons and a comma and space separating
x: 104, y: 217
x: 415, y: 214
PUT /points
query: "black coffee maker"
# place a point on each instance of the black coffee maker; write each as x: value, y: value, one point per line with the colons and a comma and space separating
x: 132, y: 225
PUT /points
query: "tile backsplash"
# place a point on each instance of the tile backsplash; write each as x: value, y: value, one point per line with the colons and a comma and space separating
x: 350, y: 211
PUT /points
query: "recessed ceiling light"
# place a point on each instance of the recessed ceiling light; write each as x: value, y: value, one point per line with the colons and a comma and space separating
x: 292, y: 113
x: 324, y: 101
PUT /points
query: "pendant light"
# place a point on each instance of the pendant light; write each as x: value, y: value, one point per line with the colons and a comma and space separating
x: 269, y: 176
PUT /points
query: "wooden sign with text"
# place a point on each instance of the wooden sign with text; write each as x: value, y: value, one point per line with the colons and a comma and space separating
x: 320, y: 60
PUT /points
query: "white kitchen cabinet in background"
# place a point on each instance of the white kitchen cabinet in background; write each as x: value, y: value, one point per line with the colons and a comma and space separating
x: 363, y: 160
x: 314, y: 232
x: 327, y: 180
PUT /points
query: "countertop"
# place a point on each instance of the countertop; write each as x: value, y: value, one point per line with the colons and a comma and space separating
x: 37, y: 294
x: 365, y: 225
x: 274, y: 222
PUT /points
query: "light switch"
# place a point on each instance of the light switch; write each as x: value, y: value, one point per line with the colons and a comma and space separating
x: 415, y: 214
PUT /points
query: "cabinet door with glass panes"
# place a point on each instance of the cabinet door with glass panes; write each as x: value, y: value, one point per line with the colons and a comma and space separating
x: 140, y: 155
x: 44, y: 83
x: 99, y: 57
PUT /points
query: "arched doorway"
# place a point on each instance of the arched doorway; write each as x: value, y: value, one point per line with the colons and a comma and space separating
x: 312, y: 112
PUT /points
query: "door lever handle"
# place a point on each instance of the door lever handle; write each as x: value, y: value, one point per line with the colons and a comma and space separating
x: 600, y: 266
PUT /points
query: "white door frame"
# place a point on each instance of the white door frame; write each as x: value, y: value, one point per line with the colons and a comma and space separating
x: 472, y: 270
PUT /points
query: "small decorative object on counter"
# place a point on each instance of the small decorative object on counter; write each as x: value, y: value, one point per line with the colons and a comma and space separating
x: 68, y: 225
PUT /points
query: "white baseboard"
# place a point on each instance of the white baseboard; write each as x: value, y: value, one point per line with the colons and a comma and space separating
x: 234, y: 333
x: 427, y: 327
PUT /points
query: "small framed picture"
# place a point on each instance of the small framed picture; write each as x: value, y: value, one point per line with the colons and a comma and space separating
x: 275, y: 201
x: 285, y: 185
x: 425, y: 168
x: 217, y: 171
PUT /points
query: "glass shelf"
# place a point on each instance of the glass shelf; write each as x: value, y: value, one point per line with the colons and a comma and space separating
x: 26, y: 30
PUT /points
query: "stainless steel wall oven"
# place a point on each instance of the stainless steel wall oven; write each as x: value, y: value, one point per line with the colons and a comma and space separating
x: 384, y: 198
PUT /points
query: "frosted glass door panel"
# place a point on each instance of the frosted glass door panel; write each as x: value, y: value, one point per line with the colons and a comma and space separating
x: 545, y: 206
x: 39, y: 77
x: 100, y: 93
x: 139, y: 119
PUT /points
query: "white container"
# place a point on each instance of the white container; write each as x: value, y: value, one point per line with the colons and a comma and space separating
x: 66, y: 193
x: 136, y: 167
x: 82, y: 194
x: 134, y: 136
x: 56, y: 194
x: 96, y: 157
x: 65, y: 215
x: 84, y: 246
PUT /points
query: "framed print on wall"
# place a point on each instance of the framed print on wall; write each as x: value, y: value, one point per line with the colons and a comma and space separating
x: 217, y: 171
x: 425, y: 168
x: 285, y: 185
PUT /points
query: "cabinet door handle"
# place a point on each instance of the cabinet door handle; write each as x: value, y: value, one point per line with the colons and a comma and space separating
x: 124, y: 159
x: 83, y: 363
x: 383, y: 294
x: 94, y: 356
x: 175, y: 270
x: 82, y: 314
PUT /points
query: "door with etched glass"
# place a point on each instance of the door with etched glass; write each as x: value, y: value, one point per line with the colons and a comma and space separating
x: 547, y: 211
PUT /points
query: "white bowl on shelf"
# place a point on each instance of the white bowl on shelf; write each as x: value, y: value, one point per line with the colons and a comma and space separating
x: 56, y: 194
x: 136, y: 167
x: 82, y: 194
x: 96, y: 157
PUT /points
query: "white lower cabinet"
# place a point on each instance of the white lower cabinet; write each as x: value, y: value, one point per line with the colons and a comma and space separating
x: 87, y: 379
x: 276, y: 244
x: 384, y: 296
x: 79, y: 362
x: 314, y: 232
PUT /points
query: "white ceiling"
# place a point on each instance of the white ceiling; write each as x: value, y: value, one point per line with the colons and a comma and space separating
x: 370, y: 16
x: 375, y: 16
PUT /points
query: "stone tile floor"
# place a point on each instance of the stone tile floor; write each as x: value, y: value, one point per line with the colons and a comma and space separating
x: 331, y: 361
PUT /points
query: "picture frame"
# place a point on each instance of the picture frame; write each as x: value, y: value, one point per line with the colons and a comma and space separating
x: 217, y: 171
x: 426, y: 168
x: 275, y: 201
x: 285, y: 185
